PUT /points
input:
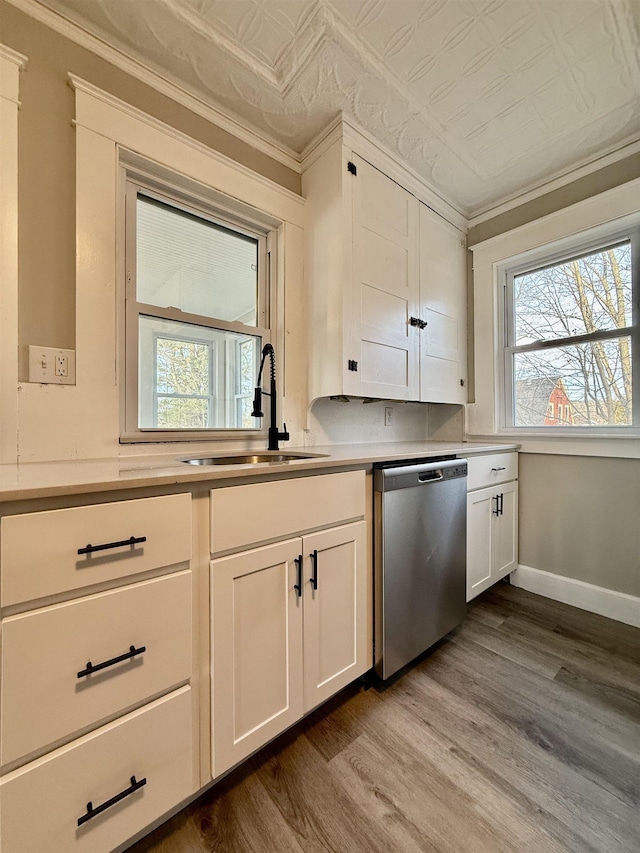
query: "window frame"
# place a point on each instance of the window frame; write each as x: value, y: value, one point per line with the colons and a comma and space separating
x: 166, y: 193
x: 562, y: 252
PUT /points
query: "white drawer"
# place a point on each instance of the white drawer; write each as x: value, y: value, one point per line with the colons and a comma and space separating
x: 492, y: 468
x: 39, y: 550
x: 42, y: 802
x: 258, y: 512
x: 44, y: 700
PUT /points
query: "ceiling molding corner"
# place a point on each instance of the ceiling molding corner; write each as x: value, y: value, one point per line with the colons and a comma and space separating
x: 320, y: 143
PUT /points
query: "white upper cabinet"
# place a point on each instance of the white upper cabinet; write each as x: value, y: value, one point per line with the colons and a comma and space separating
x: 386, y: 279
x: 443, y: 304
x: 384, y: 285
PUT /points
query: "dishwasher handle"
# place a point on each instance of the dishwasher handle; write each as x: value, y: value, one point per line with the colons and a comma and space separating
x: 430, y: 476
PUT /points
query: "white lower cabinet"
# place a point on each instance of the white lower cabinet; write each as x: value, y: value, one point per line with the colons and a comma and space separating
x: 492, y: 522
x: 104, y: 787
x: 96, y: 709
x: 288, y: 631
x: 103, y: 624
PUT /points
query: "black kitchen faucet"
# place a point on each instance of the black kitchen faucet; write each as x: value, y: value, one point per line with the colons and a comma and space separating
x: 274, y: 433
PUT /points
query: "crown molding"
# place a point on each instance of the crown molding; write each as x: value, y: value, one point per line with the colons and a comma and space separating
x: 557, y: 181
x: 322, y: 142
x: 240, y: 129
x: 619, y: 205
x: 13, y: 56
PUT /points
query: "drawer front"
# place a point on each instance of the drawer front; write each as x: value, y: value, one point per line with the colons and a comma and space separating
x: 39, y: 551
x: 43, y: 699
x: 259, y: 512
x: 42, y: 802
x: 492, y: 468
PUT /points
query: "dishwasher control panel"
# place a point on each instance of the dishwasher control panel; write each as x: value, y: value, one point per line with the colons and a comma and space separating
x: 391, y: 476
x: 457, y: 471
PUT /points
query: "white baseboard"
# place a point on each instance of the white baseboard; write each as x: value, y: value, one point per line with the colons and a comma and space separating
x: 597, y: 599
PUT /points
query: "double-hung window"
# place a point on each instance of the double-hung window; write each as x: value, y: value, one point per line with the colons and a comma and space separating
x: 571, y: 355
x: 196, y: 317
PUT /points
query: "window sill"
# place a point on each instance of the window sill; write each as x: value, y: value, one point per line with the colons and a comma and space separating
x: 157, y: 437
x: 625, y: 446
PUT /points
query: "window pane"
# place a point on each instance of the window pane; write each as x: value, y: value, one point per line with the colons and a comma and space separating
x: 585, y: 384
x: 189, y: 377
x: 182, y: 367
x: 181, y: 413
x: 245, y: 380
x: 189, y: 263
x: 580, y: 296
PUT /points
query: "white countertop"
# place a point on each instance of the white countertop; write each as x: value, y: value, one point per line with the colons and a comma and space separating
x: 47, y: 479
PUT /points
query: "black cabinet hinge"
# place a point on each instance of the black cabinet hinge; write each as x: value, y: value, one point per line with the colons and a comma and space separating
x: 351, y: 167
x: 416, y: 321
x: 352, y: 365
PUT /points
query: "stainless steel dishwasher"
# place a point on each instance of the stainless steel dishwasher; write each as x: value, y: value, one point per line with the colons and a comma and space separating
x: 419, y: 556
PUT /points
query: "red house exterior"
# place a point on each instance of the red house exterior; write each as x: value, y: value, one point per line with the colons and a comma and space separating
x: 543, y: 401
x: 559, y: 409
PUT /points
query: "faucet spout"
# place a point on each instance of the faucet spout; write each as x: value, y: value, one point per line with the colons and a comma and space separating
x: 274, y: 433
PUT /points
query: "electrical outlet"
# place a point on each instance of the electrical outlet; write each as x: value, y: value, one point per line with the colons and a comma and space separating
x: 62, y: 365
x: 50, y: 365
x: 388, y: 415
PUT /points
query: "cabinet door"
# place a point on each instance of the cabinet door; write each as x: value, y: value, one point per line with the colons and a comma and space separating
x: 385, y: 288
x: 480, y: 507
x: 335, y: 610
x: 505, y: 536
x: 443, y: 286
x: 256, y: 649
x: 492, y: 539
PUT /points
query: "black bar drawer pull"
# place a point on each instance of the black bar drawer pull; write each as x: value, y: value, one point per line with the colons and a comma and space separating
x: 91, y: 667
x: 314, y: 569
x: 92, y: 812
x: 133, y: 540
x: 298, y: 586
x: 499, y: 469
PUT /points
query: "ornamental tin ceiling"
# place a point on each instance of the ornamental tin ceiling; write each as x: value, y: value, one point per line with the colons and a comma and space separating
x: 483, y: 98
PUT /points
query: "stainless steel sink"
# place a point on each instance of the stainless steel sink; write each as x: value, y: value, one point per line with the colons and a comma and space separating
x: 250, y: 458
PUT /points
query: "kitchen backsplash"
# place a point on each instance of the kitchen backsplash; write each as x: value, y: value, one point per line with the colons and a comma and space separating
x: 354, y: 420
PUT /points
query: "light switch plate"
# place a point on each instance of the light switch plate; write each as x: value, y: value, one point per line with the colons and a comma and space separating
x: 50, y: 365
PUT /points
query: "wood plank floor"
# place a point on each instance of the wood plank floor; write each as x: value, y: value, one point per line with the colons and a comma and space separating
x: 519, y: 732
